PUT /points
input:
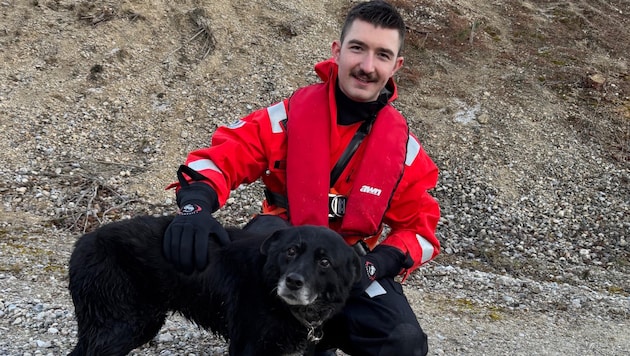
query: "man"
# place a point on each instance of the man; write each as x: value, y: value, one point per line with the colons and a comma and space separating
x: 336, y: 154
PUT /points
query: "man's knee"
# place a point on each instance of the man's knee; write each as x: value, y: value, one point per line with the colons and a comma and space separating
x: 406, y: 339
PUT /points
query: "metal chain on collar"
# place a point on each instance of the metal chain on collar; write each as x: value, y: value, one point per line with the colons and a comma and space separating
x: 315, y: 332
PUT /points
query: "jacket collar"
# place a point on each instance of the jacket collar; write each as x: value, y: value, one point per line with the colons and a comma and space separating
x: 350, y: 111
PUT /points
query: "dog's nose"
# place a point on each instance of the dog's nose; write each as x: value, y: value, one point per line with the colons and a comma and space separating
x: 294, y: 281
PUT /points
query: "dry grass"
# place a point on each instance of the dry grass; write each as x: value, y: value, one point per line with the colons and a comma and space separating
x: 204, y: 32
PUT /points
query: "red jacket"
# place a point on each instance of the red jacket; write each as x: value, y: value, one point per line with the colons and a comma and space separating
x: 256, y: 147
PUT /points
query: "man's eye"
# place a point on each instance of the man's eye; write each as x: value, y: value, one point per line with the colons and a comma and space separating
x: 324, y: 263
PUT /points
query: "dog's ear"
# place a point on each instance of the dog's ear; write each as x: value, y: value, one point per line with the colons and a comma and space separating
x: 266, y: 245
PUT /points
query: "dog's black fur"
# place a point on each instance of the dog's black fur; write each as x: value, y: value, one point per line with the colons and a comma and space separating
x: 257, y: 292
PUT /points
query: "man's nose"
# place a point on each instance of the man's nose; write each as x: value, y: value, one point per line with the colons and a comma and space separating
x: 367, y: 64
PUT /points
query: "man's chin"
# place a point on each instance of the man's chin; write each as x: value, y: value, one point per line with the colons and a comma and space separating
x: 362, y: 95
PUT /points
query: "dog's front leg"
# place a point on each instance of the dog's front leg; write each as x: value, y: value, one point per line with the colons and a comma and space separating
x: 240, y: 348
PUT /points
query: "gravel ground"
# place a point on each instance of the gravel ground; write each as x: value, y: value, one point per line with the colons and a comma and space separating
x: 101, y: 100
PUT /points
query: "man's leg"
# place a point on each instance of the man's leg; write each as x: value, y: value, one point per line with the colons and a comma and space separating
x: 378, y: 322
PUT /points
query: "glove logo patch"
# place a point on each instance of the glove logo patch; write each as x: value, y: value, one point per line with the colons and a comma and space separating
x: 189, y: 209
x: 370, y: 269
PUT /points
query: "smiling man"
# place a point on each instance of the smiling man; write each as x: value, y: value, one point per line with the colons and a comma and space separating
x: 335, y: 154
x: 367, y: 56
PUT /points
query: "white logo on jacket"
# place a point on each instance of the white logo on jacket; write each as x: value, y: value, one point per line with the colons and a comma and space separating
x: 236, y: 124
x: 370, y: 190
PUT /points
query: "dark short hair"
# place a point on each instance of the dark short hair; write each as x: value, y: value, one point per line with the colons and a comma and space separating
x: 378, y: 13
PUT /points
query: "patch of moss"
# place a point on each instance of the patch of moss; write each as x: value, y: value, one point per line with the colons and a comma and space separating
x: 493, y: 32
x: 13, y: 269
x: 495, y: 313
x: 618, y: 290
x: 28, y: 250
x: 465, y: 305
x: 51, y: 268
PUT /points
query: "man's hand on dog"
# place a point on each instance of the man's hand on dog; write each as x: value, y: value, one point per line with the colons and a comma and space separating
x: 384, y: 261
x: 187, y: 238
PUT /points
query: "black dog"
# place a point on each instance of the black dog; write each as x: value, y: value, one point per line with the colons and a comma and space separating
x: 266, y: 295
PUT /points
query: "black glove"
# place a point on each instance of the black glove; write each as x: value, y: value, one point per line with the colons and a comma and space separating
x: 187, y: 238
x: 383, y: 261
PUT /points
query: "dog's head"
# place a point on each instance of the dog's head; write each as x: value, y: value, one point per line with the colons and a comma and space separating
x: 310, y: 265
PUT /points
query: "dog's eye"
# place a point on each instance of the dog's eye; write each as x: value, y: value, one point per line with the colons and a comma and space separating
x: 291, y: 252
x: 324, y: 263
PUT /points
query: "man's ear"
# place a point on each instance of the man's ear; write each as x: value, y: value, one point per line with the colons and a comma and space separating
x: 335, y: 49
x: 398, y: 65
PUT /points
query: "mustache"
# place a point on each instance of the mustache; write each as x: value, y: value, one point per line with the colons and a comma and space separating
x: 362, y: 75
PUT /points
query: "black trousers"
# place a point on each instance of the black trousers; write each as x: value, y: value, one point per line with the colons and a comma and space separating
x: 380, y: 321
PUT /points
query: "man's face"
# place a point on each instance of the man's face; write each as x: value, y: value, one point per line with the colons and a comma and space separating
x: 367, y: 59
